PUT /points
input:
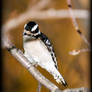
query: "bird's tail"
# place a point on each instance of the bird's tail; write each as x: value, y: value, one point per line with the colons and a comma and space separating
x: 62, y: 81
x: 59, y: 78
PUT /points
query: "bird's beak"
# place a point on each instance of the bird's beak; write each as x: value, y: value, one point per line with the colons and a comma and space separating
x: 27, y: 32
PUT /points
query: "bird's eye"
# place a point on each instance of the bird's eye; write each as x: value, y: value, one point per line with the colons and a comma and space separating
x: 37, y: 30
x: 24, y: 33
x: 27, y: 28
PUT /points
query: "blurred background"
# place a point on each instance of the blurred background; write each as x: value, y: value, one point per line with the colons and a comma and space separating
x: 75, y: 69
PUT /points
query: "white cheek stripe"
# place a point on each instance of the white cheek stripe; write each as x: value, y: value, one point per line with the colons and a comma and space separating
x: 25, y: 25
x: 35, y: 27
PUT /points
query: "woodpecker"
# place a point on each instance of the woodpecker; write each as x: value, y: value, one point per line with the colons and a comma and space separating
x: 39, y: 50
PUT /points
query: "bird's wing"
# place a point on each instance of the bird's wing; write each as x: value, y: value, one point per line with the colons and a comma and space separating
x: 49, y: 46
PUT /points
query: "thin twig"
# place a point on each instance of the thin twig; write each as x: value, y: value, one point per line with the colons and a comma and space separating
x: 76, y: 52
x: 75, y: 23
x: 39, y: 87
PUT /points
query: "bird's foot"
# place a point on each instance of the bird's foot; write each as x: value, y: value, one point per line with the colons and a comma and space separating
x: 35, y: 64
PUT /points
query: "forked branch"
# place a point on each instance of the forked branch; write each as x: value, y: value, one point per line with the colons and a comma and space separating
x: 75, y: 23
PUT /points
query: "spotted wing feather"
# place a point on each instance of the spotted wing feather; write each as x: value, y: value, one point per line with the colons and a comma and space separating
x: 49, y: 46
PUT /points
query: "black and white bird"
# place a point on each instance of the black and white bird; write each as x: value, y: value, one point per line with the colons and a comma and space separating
x: 39, y: 50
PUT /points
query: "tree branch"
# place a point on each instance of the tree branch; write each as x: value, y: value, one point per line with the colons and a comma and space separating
x: 39, y: 87
x: 76, y: 52
x: 75, y: 23
x: 18, y: 54
x: 48, y: 14
x: 40, y: 5
x: 77, y: 90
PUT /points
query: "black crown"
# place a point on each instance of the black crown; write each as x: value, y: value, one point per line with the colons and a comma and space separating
x: 30, y: 25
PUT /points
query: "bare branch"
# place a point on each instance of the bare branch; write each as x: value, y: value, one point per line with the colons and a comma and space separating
x: 18, y: 54
x: 76, y: 52
x: 75, y: 23
x: 77, y: 90
x: 51, y: 13
x: 40, y: 5
x: 39, y: 87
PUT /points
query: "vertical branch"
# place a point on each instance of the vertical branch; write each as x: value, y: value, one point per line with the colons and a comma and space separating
x: 75, y: 23
x: 39, y: 87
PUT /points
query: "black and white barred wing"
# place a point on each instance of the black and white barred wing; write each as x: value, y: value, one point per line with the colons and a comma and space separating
x: 49, y: 46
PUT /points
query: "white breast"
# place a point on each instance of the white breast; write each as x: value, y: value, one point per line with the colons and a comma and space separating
x: 39, y: 52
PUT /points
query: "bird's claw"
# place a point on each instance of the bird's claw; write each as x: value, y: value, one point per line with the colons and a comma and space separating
x: 35, y: 64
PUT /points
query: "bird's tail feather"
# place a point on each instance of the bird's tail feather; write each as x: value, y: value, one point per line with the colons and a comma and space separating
x: 59, y: 78
x: 61, y: 81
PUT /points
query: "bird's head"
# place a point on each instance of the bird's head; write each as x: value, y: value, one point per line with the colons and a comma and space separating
x: 31, y: 29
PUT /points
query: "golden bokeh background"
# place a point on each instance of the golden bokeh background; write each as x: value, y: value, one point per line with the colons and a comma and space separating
x: 75, y: 69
